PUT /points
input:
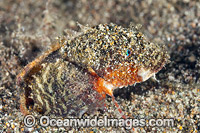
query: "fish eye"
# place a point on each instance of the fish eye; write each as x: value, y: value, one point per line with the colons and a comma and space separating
x: 128, y: 52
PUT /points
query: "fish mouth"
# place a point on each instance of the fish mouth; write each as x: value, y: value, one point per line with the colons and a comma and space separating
x: 145, y: 74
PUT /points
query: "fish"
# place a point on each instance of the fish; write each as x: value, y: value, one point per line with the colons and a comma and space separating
x: 76, y: 74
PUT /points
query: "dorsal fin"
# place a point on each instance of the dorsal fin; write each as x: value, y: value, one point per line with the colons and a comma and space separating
x: 84, y: 28
x: 71, y: 33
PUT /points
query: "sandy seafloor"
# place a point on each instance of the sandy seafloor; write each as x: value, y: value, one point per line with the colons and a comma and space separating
x: 27, y: 28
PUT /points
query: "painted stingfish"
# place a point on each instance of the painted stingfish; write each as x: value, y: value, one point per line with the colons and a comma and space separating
x: 74, y: 76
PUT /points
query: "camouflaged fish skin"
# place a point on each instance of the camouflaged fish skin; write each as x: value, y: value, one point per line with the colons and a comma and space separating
x: 107, y: 48
x: 74, y: 77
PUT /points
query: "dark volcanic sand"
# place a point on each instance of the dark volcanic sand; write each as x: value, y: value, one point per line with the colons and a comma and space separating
x: 27, y: 28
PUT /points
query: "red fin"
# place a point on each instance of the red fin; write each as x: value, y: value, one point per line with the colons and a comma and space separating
x: 120, y: 110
